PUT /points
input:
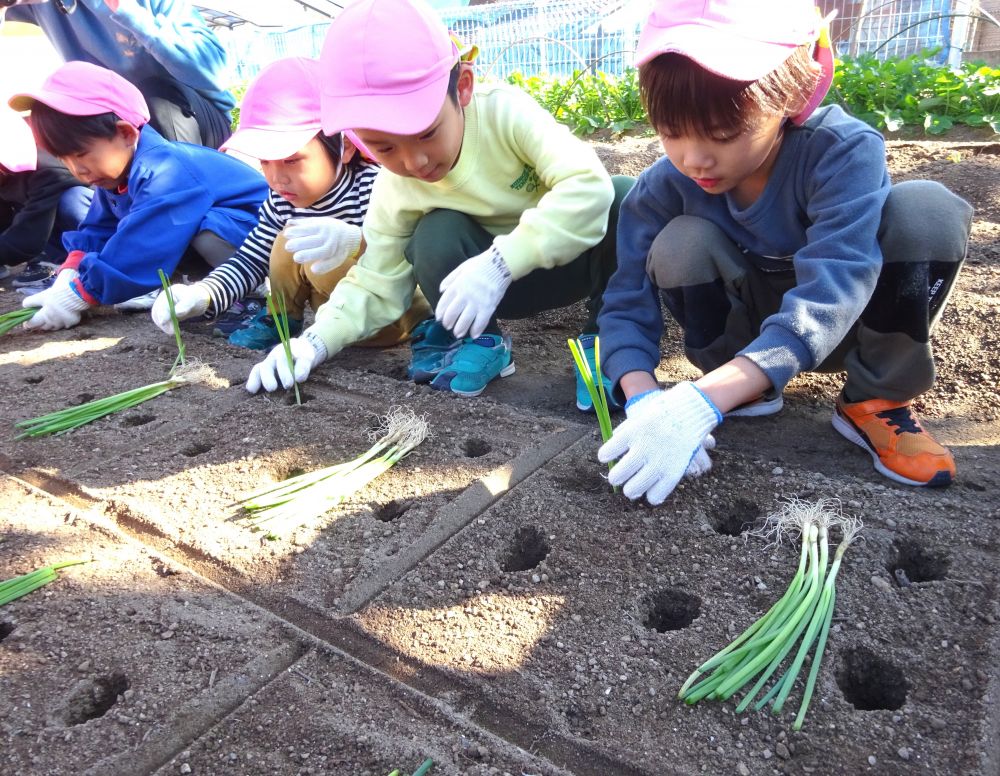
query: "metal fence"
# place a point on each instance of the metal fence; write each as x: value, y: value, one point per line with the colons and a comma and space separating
x: 560, y: 36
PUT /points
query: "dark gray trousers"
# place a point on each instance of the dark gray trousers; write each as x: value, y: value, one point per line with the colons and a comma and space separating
x: 720, y: 297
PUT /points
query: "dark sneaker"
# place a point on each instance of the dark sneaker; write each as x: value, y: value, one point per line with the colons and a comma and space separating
x: 475, y: 363
x: 262, y: 333
x: 36, y: 274
x: 430, y: 345
x: 899, y: 446
x: 583, y: 401
x: 239, y: 315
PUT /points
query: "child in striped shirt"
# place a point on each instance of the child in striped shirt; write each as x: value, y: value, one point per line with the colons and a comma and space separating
x: 309, y: 228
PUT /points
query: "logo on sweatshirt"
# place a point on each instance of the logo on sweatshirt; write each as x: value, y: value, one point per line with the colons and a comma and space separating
x: 527, y: 180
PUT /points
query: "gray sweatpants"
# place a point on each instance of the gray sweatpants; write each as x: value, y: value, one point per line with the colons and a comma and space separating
x: 720, y: 297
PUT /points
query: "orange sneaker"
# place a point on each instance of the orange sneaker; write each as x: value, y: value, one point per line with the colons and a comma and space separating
x: 899, y: 446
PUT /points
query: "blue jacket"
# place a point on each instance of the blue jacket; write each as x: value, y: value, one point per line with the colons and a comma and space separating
x: 143, y: 39
x: 820, y: 211
x: 174, y: 191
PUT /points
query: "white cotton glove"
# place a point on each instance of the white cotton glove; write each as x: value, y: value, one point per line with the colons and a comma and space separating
x: 471, y: 292
x: 323, y: 243
x: 308, y: 351
x: 665, y: 435
x: 189, y: 301
x: 59, y: 307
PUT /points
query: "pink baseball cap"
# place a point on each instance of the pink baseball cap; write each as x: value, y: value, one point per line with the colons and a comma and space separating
x: 83, y: 89
x: 17, y: 147
x: 280, y: 112
x: 385, y: 66
x: 735, y: 39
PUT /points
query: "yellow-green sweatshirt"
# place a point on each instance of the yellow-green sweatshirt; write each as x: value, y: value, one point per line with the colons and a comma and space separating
x: 524, y: 177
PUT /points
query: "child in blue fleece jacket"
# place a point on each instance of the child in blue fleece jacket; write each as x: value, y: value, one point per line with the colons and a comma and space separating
x: 774, y: 238
x: 156, y: 200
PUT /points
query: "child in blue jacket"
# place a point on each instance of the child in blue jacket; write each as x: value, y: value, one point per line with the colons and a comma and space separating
x: 774, y: 238
x: 156, y: 200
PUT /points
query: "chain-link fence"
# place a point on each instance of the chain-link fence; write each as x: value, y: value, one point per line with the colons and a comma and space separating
x: 560, y: 36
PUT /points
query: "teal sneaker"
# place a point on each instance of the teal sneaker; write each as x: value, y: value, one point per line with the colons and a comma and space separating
x: 583, y: 400
x: 260, y: 333
x: 430, y: 345
x: 473, y: 364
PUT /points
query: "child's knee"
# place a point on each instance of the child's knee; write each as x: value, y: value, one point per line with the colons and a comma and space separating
x: 924, y: 221
x: 679, y: 256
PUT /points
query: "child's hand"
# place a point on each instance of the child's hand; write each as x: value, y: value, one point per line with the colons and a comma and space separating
x: 471, y: 292
x: 189, y: 301
x: 308, y: 351
x: 665, y: 435
x: 323, y: 243
x: 59, y: 307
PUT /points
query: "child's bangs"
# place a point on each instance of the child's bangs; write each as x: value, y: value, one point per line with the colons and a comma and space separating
x: 63, y: 135
x: 682, y: 98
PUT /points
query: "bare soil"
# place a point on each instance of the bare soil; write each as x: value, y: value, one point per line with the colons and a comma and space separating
x: 488, y: 603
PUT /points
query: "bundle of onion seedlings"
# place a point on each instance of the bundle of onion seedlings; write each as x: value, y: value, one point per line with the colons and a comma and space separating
x: 12, y: 589
x: 61, y: 421
x: 15, y: 317
x: 806, y: 607
x: 311, y: 494
x: 179, y: 361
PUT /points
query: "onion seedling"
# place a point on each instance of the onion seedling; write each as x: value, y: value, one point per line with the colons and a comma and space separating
x: 69, y: 418
x: 279, y: 313
x: 593, y: 382
x: 179, y: 361
x: 311, y: 494
x: 12, y: 589
x: 805, y: 608
x: 16, y: 317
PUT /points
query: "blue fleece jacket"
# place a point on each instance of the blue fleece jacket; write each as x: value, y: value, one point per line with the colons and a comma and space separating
x: 819, y: 212
x: 174, y: 191
x: 142, y: 39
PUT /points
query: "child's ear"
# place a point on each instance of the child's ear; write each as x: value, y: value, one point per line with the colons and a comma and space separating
x: 466, y: 84
x: 349, y: 151
x: 127, y: 132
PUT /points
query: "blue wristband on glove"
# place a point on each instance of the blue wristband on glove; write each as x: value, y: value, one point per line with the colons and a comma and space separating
x: 639, y: 396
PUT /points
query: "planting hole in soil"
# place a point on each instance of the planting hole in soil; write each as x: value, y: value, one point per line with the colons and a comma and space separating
x: 34, y: 379
x: 138, y: 420
x: 870, y: 683
x: 393, y: 510
x: 6, y: 628
x: 290, y: 401
x: 197, y: 448
x: 475, y: 448
x: 527, y: 550
x: 911, y: 562
x: 83, y: 398
x: 735, y: 518
x: 94, y: 698
x: 671, y: 609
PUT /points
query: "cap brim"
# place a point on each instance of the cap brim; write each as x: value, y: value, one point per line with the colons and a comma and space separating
x: 60, y: 101
x: 727, y: 55
x: 269, y: 144
x: 398, y: 114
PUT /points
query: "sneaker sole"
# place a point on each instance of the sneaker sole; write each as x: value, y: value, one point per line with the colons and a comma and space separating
x: 505, y: 372
x: 848, y: 430
x: 757, y: 409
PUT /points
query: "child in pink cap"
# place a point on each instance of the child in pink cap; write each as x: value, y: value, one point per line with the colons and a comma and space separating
x: 308, y: 231
x: 774, y: 238
x: 39, y: 200
x: 156, y: 201
x: 484, y: 202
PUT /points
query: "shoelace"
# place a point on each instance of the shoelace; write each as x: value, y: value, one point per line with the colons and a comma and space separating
x: 902, y: 419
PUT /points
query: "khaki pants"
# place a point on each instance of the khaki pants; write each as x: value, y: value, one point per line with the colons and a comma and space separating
x: 299, y: 284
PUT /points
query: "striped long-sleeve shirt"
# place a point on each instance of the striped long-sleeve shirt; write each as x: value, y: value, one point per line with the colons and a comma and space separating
x: 247, y: 269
